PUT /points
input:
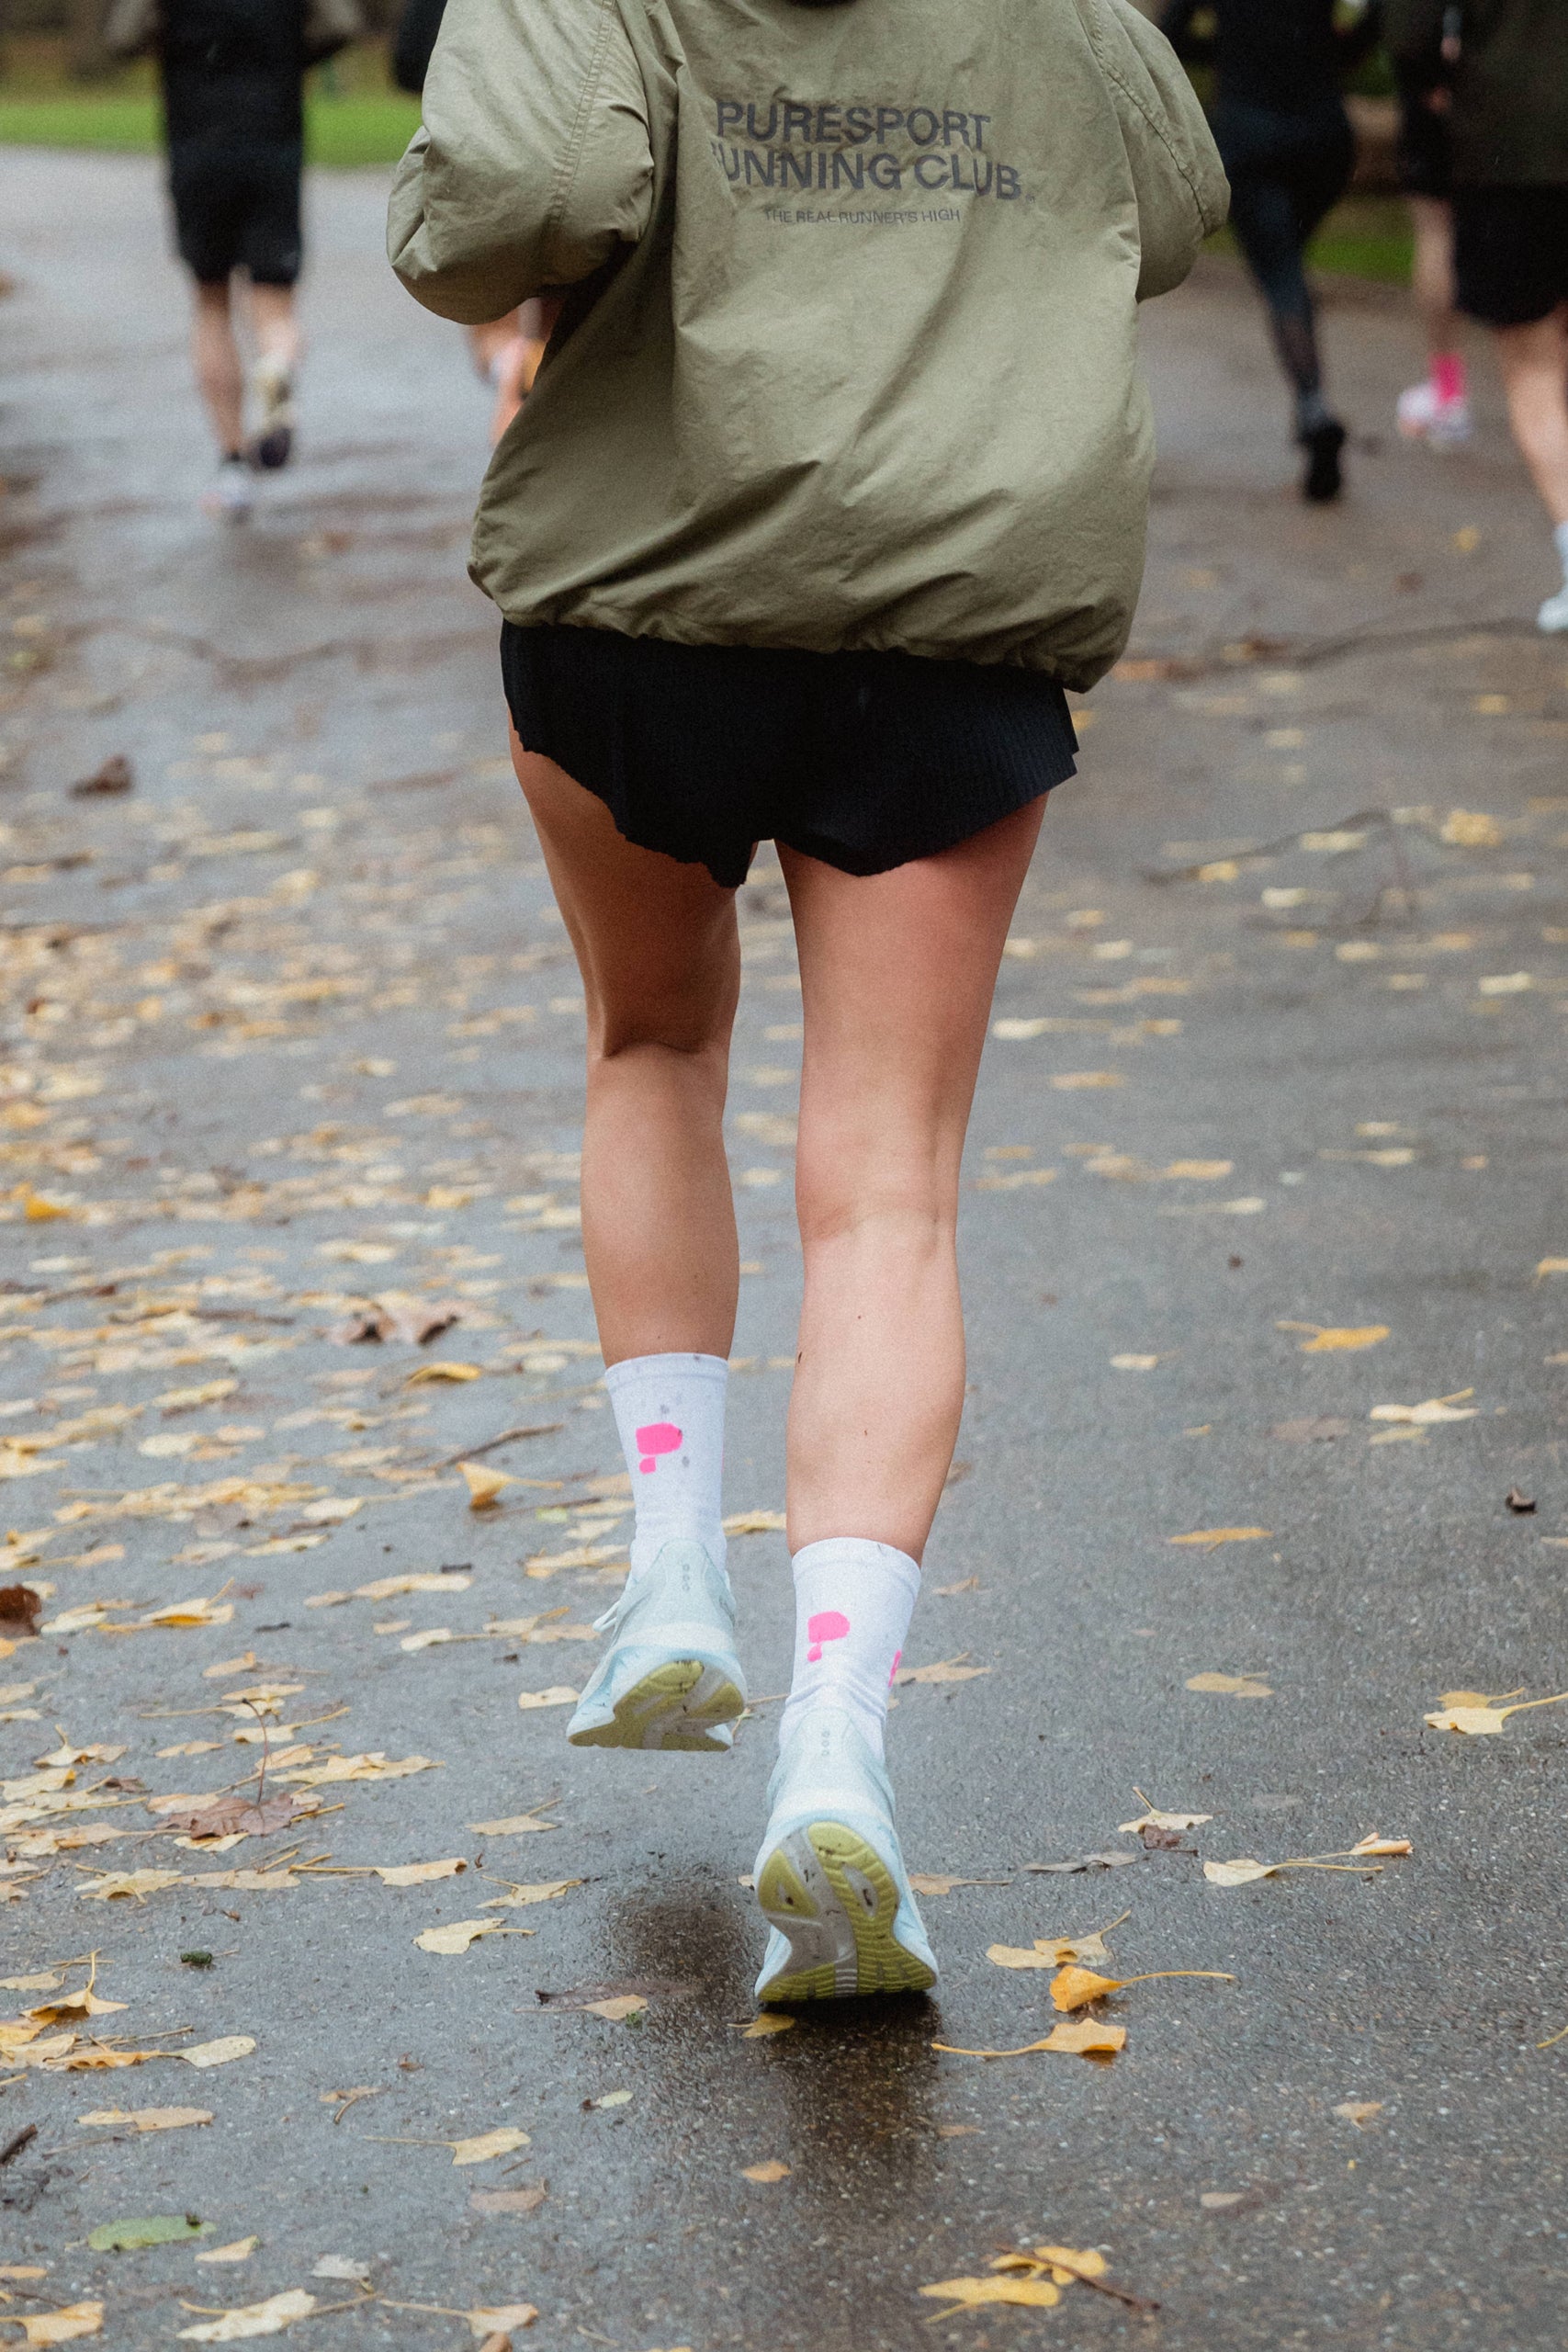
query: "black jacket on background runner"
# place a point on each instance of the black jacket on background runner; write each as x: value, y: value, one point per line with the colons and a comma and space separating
x: 1284, y: 55
x: 234, y: 70
x: 414, y: 40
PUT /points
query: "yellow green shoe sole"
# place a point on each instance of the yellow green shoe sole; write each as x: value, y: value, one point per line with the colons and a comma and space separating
x: 829, y: 1891
x: 681, y: 1705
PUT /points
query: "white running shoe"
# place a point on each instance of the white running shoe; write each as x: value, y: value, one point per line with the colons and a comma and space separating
x: 830, y: 1877
x: 232, y: 495
x: 670, y: 1678
x: 272, y: 441
x: 1422, y: 416
x: 1552, y: 617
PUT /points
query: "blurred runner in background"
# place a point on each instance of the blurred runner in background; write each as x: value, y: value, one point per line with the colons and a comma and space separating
x: 1437, y: 411
x: 232, y: 74
x: 506, y: 351
x: 1511, y: 154
x: 1282, y: 128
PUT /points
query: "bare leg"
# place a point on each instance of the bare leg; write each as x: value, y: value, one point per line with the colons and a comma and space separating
x: 218, y: 370
x: 1432, y: 272
x: 1534, y: 361
x: 275, y: 325
x: 657, y: 948
x: 896, y: 976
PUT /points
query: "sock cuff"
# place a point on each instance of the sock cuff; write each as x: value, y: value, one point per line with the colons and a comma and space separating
x: 858, y: 1550
x: 680, y: 1365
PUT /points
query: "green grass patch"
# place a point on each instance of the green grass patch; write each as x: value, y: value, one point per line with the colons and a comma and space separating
x: 353, y: 114
x: 1367, y: 236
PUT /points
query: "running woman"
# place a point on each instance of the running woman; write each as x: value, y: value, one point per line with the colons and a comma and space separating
x: 1508, y: 64
x: 834, y: 477
x: 1282, y: 130
x: 232, y: 75
x: 1435, y: 411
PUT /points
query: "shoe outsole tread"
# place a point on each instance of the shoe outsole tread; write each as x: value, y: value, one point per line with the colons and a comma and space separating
x: 656, y: 1712
x: 864, y: 1895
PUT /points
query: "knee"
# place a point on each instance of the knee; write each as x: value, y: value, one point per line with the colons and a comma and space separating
x: 907, y: 1205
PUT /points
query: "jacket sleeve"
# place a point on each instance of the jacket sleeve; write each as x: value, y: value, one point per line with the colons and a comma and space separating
x: 533, y: 161
x: 1180, y: 184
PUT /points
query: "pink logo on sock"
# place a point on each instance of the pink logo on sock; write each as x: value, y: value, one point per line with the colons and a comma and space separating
x: 892, y: 1669
x: 828, y: 1625
x: 659, y: 1437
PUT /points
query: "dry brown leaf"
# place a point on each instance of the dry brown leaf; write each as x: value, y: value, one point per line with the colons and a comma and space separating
x: 947, y: 1669
x: 237, y: 1816
x: 1238, y: 1873
x: 269, y: 2318
x: 237, y: 2250
x: 416, y: 1874
x: 1154, y: 1817
x: 761, y: 2029
x: 940, y: 1883
x: 511, y: 1824
x: 766, y: 2173
x: 486, y: 2146
x: 1231, y: 1686
x: 1376, y: 1844
x: 375, y: 1765
x: 149, y: 2119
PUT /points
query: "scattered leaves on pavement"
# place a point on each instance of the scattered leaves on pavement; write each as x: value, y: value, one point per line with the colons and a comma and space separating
x: 1472, y: 1712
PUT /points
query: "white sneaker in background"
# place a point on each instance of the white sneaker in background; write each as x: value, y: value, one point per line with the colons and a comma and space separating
x: 1422, y: 416
x: 1552, y: 617
x: 272, y: 387
x: 232, y: 495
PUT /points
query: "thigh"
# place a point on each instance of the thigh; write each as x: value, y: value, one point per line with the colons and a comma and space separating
x: 656, y: 939
x: 1320, y: 171
x: 897, y: 974
x: 272, y: 245
x: 208, y: 211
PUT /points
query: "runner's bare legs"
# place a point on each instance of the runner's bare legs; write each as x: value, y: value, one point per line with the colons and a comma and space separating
x: 220, y: 375
x: 897, y: 975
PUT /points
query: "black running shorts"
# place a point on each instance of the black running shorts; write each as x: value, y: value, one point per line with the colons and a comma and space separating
x: 863, y: 760
x: 237, y: 207
x: 1511, y: 252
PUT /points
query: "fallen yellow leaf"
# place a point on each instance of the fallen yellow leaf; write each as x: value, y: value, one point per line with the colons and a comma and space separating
x: 947, y: 1669
x: 62, y: 2326
x: 1436, y: 1408
x: 766, y: 2173
x: 616, y: 2009
x: 1231, y: 1686
x: 968, y: 2294
x: 269, y: 2318
x: 760, y: 2028
x: 484, y: 1485
x: 149, y: 2119
x: 1076, y: 1987
x: 559, y: 1694
x: 485, y: 2145
x: 495, y: 2320
x: 1359, y: 2110
x: 237, y: 2250
x: 417, y: 1874
x: 1328, y: 1339
x: 429, y: 1371
x: 1475, y: 1715
x: 1211, y: 1537
x: 222, y: 2052
x: 754, y: 1523
x: 547, y: 1890
x: 1074, y: 2037
x: 457, y: 1935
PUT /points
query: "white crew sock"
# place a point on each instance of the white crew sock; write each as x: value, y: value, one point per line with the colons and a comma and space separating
x: 852, y: 1604
x: 1561, y: 536
x: 669, y: 1414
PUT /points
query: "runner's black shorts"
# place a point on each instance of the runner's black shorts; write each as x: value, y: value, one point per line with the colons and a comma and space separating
x: 1511, y: 252
x: 237, y: 207
x: 863, y: 760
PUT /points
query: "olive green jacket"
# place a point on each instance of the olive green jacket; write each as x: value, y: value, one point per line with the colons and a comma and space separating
x: 849, y: 357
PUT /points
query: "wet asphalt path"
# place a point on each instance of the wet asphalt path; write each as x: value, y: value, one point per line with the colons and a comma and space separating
x: 292, y: 1037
